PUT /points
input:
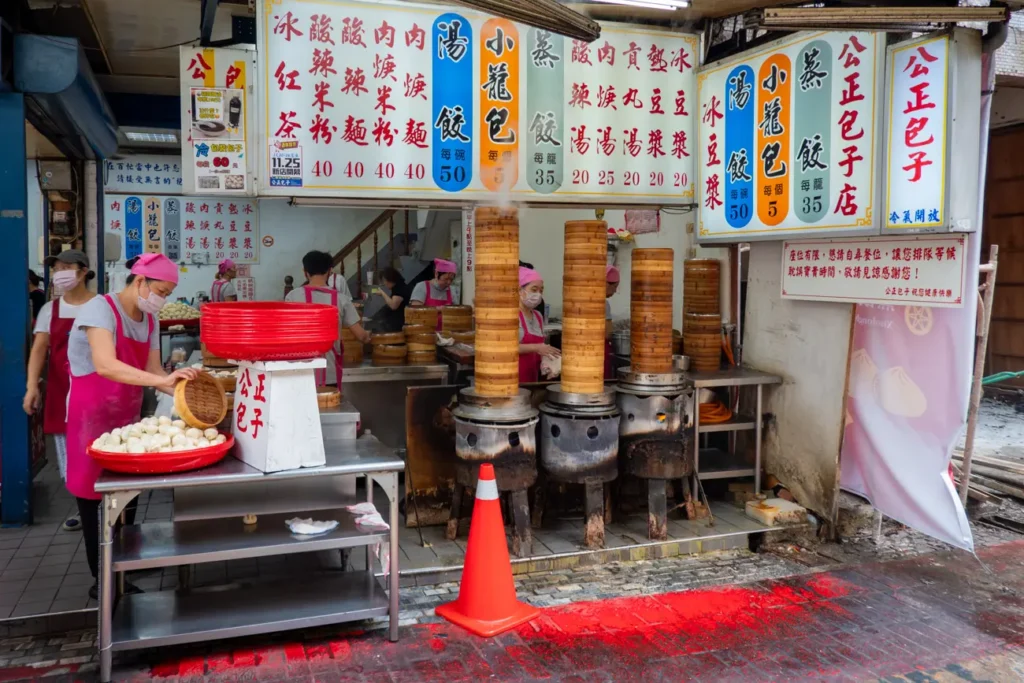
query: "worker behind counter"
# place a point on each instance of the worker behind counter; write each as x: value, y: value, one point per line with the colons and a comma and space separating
x: 532, y: 346
x: 316, y: 266
x: 395, y: 292
x: 439, y: 291
x: 222, y: 288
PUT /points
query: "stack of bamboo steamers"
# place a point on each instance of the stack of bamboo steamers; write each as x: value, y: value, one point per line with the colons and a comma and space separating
x: 702, y: 317
x: 583, y: 327
x: 497, y: 305
x: 650, y: 331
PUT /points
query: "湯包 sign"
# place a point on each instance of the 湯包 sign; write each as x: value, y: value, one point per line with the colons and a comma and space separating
x: 215, y: 120
x: 788, y: 136
x: 399, y: 100
x: 919, y: 271
x: 185, y: 229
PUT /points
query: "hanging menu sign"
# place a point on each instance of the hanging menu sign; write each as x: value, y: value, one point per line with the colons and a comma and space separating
x: 155, y: 173
x: 788, y: 138
x: 189, y: 229
x: 416, y: 101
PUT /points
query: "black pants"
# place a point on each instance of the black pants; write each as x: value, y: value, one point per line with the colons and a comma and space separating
x: 89, y: 511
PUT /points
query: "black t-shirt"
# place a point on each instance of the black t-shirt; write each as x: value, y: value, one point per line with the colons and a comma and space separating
x: 37, y: 297
x: 392, y: 321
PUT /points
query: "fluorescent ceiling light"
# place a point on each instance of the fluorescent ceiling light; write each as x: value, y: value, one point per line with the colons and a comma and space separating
x: 164, y: 138
x: 650, y: 4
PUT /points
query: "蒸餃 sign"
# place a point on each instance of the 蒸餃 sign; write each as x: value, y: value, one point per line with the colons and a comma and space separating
x: 920, y: 271
x: 787, y: 138
x: 399, y: 100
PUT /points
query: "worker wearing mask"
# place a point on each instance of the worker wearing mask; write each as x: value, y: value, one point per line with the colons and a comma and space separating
x: 316, y: 266
x: 531, y: 327
x: 438, y: 291
x: 113, y: 352
x: 70, y: 274
x: 223, y: 289
x: 611, y: 285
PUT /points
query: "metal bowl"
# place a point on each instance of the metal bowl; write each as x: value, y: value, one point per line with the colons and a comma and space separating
x: 682, y: 363
x: 620, y: 343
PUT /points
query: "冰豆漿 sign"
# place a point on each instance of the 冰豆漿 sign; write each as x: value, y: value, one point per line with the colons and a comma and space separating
x: 787, y: 138
x: 920, y: 271
x: 382, y: 99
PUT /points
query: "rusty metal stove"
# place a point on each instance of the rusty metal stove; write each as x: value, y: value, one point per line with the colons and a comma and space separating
x: 500, y: 431
x: 653, y: 437
x: 580, y: 445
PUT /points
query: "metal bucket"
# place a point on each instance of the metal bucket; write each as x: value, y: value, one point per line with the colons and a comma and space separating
x: 620, y: 343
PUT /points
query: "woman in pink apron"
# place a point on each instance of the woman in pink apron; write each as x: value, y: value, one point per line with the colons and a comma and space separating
x: 436, y: 292
x: 113, y: 352
x: 531, y: 326
x: 223, y: 289
x: 316, y: 265
x: 611, y: 285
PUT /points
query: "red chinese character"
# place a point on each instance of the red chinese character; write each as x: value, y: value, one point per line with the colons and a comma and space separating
x: 204, y: 226
x: 681, y: 60
x: 919, y: 69
x: 712, y: 111
x: 415, y: 134
x: 355, y: 131
x: 713, y: 192
x: 384, y: 100
x: 218, y: 208
x: 950, y: 253
x: 851, y: 157
x: 355, y: 82
x: 190, y: 243
x: 190, y: 207
x: 846, y: 123
x: 606, y: 54
x: 606, y: 97
x: 914, y: 128
x: 656, y: 58
x: 605, y: 141
x: 246, y: 243
x: 713, y: 159
x: 580, y: 141
x: 258, y: 394
x: 656, y: 102
x: 847, y: 204
x: 655, y: 145
x: 286, y: 80
x: 199, y: 67
x: 581, y: 53
x: 632, y: 98
x: 385, y: 34
x: 232, y: 227
x: 382, y: 133
x: 233, y: 209
x: 580, y: 96
x: 384, y: 68
x: 190, y: 225
x: 115, y: 206
x: 633, y: 53
x: 916, y: 165
x: 320, y: 29
x: 415, y: 36
x: 231, y: 75
x: 204, y: 242
x: 849, y: 53
x: 247, y: 209
x: 920, y: 99
x: 322, y: 128
x: 681, y: 103
x: 218, y: 243
x: 287, y: 125
x: 240, y: 418
x: 256, y: 422
x: 286, y: 26
x: 352, y: 31
x: 232, y: 243
x: 205, y: 208
x: 679, y: 144
x: 415, y: 86
x: 115, y: 224
x: 320, y: 96
x: 323, y: 63
x: 851, y: 93
x: 630, y: 143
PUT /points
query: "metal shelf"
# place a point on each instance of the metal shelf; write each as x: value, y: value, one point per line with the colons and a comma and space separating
x: 169, y: 544
x: 717, y: 464
x: 266, y: 497
x: 738, y: 423
x: 169, y: 618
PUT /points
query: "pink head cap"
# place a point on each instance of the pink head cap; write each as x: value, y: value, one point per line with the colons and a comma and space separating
x: 442, y: 266
x: 528, y: 275
x: 156, y: 267
x: 611, y: 274
x: 225, y: 265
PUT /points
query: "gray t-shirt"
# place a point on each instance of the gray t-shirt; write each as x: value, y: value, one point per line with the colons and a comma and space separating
x: 349, y: 315
x: 533, y: 324
x: 97, y: 313
x: 419, y: 292
x: 226, y: 290
x: 607, y: 309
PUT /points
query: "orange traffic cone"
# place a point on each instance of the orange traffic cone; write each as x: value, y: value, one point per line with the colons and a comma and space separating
x: 487, y: 602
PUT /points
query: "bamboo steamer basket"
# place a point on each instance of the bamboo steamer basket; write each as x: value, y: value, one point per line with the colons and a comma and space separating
x: 702, y: 341
x: 701, y: 286
x: 421, y: 315
x: 583, y: 296
x: 201, y: 402
x: 496, y: 362
x: 390, y: 351
x: 463, y: 337
x: 421, y: 357
x: 213, y: 361
x: 457, y: 318
x: 384, y: 338
x: 228, y: 384
x: 417, y: 329
x: 352, y: 348
x: 327, y: 397
x: 428, y: 338
x: 415, y: 347
x: 650, y: 332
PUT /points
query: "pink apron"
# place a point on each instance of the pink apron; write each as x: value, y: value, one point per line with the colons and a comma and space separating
x: 339, y: 349
x: 431, y: 301
x: 215, y: 291
x: 58, y: 379
x: 529, y: 363
x: 97, y: 405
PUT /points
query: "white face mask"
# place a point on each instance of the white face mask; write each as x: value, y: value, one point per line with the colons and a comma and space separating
x: 531, y: 299
x: 152, y: 303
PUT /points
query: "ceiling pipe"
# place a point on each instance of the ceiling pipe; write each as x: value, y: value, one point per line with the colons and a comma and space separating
x: 996, y: 34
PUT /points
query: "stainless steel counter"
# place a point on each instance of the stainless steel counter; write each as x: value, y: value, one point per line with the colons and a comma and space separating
x: 367, y: 372
x: 378, y: 393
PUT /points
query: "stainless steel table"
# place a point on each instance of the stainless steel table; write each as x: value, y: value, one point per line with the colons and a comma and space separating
x: 378, y: 393
x: 367, y: 372
x: 171, y: 618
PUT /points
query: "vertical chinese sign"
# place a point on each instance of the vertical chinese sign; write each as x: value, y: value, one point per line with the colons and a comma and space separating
x: 918, y: 110
x: 360, y: 99
x: 215, y: 120
x: 788, y: 136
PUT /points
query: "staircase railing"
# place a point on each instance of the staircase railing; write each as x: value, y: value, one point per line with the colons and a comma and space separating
x: 357, y: 243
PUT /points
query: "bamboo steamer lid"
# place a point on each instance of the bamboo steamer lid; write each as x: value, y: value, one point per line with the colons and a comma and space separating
x: 388, y: 338
x: 583, y: 296
x: 496, y: 362
x: 651, y: 311
x: 429, y: 339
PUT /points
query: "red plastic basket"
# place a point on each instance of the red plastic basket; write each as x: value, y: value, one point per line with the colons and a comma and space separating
x: 162, y: 463
x: 269, y: 330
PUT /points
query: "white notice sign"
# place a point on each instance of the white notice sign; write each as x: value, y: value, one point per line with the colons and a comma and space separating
x: 921, y: 271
